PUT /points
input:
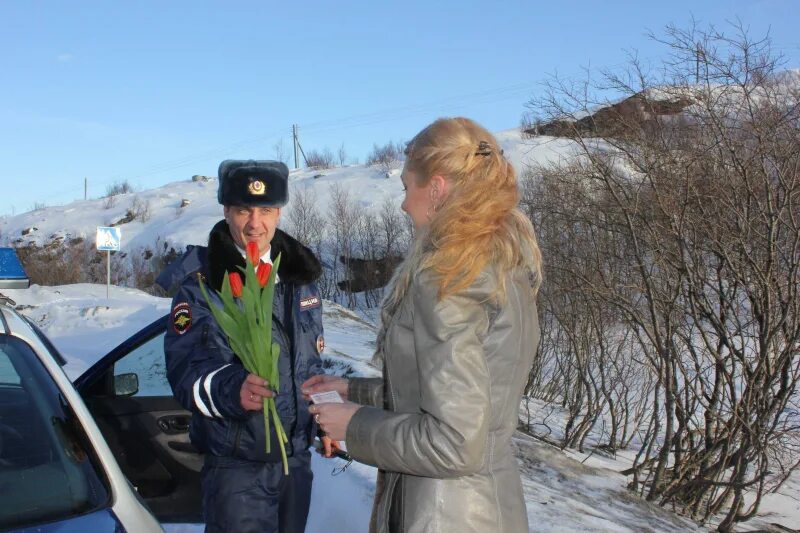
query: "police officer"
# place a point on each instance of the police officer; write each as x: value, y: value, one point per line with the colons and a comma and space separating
x: 244, y: 488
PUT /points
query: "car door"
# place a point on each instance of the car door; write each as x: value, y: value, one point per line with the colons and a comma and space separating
x: 129, y: 396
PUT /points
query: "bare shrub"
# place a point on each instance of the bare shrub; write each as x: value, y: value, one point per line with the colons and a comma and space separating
x: 76, y: 261
x: 141, y: 273
x: 367, y: 248
x: 394, y: 230
x: 319, y: 159
x: 164, y: 254
x: 118, y: 187
x: 305, y: 222
x: 48, y: 267
x: 343, y: 220
x: 387, y: 156
x: 140, y: 209
x: 672, y: 245
x: 308, y: 225
x: 147, y: 263
x: 91, y: 263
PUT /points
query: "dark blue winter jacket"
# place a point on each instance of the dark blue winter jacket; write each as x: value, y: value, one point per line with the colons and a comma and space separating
x: 206, y: 376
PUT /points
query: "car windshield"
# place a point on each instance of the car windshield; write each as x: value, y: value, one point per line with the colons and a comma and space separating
x: 48, y: 468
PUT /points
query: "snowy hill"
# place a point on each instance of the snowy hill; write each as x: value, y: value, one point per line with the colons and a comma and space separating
x: 168, y: 222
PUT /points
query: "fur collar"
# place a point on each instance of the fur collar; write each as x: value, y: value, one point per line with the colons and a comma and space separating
x: 298, y: 265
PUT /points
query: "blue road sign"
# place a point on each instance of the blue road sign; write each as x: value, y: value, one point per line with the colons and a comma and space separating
x: 108, y: 239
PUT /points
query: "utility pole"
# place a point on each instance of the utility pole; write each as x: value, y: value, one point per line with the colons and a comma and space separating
x: 85, y: 188
x: 295, y: 142
x: 700, y: 53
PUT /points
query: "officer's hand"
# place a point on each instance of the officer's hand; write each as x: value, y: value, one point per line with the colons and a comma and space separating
x: 253, y: 391
x: 323, y: 383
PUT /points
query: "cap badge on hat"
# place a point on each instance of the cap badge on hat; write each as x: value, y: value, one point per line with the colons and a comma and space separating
x: 257, y: 188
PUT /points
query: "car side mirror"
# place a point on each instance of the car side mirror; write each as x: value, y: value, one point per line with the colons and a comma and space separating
x: 126, y: 384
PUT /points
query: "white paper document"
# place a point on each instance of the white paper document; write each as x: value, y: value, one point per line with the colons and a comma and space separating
x: 327, y: 397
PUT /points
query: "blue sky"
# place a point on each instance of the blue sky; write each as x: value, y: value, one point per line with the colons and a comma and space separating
x: 154, y: 92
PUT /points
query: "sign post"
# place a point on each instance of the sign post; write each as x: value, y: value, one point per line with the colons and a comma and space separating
x: 108, y: 239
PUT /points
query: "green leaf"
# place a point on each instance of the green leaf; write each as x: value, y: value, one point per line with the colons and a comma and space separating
x: 227, y: 324
x: 265, y: 411
x: 282, y: 439
x: 276, y: 353
x: 252, y: 289
x: 226, y: 292
x: 268, y: 294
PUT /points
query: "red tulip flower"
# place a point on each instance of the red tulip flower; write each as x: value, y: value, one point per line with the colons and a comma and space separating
x: 252, y: 253
x: 236, y: 284
x: 262, y: 274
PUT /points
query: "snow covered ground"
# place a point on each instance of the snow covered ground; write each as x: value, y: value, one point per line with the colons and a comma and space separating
x: 563, y: 495
x: 564, y: 491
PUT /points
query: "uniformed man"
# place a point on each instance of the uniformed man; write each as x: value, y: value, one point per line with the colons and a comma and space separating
x: 244, y: 488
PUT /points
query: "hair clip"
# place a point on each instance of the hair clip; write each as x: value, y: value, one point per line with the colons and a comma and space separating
x: 484, y: 148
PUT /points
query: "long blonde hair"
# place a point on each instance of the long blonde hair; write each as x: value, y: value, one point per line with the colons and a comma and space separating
x: 479, y: 222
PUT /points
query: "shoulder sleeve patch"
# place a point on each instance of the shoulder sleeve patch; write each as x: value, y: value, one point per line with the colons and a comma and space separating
x: 181, y: 318
x: 309, y: 302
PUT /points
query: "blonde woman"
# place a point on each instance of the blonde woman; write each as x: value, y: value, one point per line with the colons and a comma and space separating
x: 458, y: 336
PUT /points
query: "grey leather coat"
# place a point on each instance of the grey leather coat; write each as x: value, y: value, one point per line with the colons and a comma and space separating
x: 443, y: 415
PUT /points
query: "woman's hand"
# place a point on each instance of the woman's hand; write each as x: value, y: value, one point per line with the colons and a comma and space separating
x: 328, y: 446
x: 323, y: 383
x: 254, y: 390
x: 333, y: 418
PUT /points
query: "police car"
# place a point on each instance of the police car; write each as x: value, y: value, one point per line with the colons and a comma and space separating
x: 110, y: 452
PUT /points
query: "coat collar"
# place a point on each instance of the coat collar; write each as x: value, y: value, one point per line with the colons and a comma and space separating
x: 298, y: 265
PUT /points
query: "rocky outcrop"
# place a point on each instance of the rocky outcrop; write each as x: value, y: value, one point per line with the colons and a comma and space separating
x: 640, y: 111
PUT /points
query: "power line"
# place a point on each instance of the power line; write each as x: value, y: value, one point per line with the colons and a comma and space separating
x: 342, y: 123
x: 403, y: 113
x: 323, y: 126
x: 202, y: 156
x: 388, y: 114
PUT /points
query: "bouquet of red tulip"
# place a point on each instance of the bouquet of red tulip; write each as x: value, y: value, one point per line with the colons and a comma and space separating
x: 246, y: 318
